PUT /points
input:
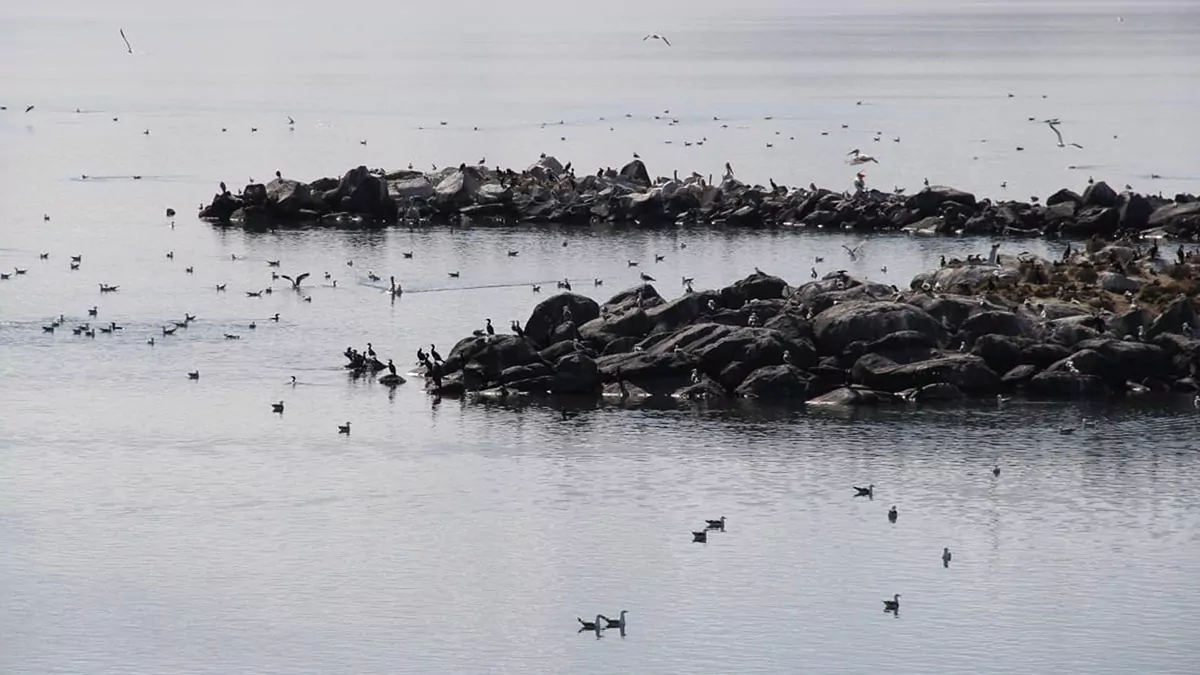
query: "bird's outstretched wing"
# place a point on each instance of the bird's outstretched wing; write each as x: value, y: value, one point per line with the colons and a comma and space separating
x: 668, y: 42
x: 300, y: 279
x: 643, y: 40
x: 284, y: 276
x: 1076, y: 145
x: 126, y: 41
x: 1056, y: 132
x: 852, y: 152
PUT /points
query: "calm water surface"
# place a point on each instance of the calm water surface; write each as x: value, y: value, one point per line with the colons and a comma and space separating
x: 150, y: 524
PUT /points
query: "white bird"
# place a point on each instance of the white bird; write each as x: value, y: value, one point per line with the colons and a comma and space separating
x: 653, y: 36
x: 1054, y: 127
x: 857, y: 158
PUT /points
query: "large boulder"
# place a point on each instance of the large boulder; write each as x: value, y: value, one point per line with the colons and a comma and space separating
x: 639, y: 297
x: 791, y: 325
x: 1118, y: 283
x: 408, y: 189
x: 1133, y: 361
x: 1043, y: 354
x: 457, y: 188
x: 635, y: 172
x: 1177, y: 219
x: 996, y: 323
x: 659, y: 374
x: 683, y: 311
x: 576, y: 374
x: 1066, y: 384
x: 775, y: 382
x: 549, y: 315
x: 490, y: 355
x: 842, y: 324
x: 361, y: 192
x: 1001, y: 353
x: 929, y: 200
x: 969, y: 373
x: 603, y: 330
x: 1099, y: 194
x: 288, y: 197
x: 1175, y: 316
x: 757, y: 286
x: 847, y: 397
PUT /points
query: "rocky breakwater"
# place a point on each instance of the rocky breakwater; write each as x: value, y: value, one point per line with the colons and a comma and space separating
x: 1110, y: 320
x: 548, y: 191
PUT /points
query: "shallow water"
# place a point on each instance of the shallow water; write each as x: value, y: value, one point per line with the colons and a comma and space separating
x: 149, y: 523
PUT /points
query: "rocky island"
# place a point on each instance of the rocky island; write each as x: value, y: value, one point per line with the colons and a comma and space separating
x: 549, y: 192
x: 1108, y: 319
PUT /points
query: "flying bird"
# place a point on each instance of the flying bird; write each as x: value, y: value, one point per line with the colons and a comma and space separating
x: 126, y: 41
x: 29, y: 108
x: 297, y: 281
x: 1054, y: 127
x: 857, y: 158
x: 657, y: 37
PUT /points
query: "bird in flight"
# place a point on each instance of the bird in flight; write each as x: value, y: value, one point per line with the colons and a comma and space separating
x: 652, y: 36
x: 29, y: 108
x: 126, y: 41
x: 1054, y: 127
x: 857, y: 158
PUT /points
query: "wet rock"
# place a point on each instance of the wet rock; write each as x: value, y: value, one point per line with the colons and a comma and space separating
x: 775, y: 382
x: 491, y: 356
x: 1180, y: 220
x: 851, y: 397
x: 1019, y: 376
x: 635, y: 172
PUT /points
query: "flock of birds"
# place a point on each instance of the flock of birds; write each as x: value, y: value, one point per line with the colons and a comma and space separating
x: 890, y: 606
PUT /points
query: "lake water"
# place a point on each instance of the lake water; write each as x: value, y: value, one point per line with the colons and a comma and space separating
x: 151, y: 524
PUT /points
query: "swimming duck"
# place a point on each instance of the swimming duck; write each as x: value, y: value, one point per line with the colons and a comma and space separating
x: 996, y: 470
x: 194, y: 375
x: 615, y: 623
x: 868, y: 491
x: 344, y: 429
x: 277, y: 407
x: 596, y: 625
x: 892, y: 605
x: 716, y: 524
x: 701, y: 536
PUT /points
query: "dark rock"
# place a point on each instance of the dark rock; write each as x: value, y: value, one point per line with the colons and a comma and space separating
x: 516, y: 373
x: 850, y: 397
x: 1133, y: 211
x: 656, y: 373
x: 1099, y: 194
x: 642, y: 297
x: 1019, y: 376
x: 775, y: 382
x: 842, y: 324
x: 996, y: 323
x: 1044, y: 355
x: 635, y: 172
x: 938, y: 392
x: 681, y: 311
x: 602, y: 331
x: 1062, y: 196
x: 757, y: 286
x: 705, y: 390
x: 1178, y: 220
x: 492, y: 355
x: 1133, y: 361
x: 1001, y: 353
x: 929, y: 200
x: 548, y: 315
x: 576, y: 374
x: 1177, y: 314
x: 1063, y: 384
x: 968, y: 373
x: 791, y: 326
x: 288, y: 197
